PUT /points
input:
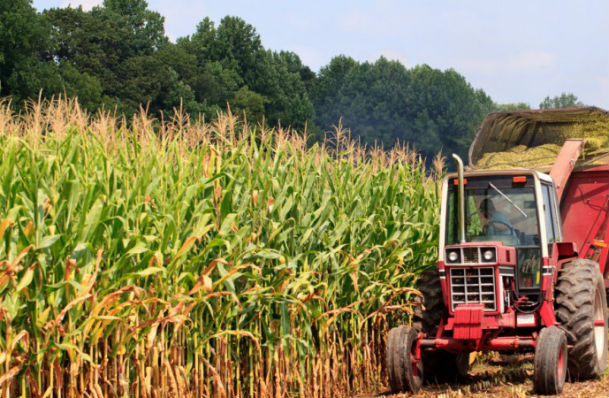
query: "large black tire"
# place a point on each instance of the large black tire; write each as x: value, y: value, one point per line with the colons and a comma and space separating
x: 430, y: 309
x: 440, y: 366
x: 551, y: 356
x: 405, y: 375
x: 580, y: 301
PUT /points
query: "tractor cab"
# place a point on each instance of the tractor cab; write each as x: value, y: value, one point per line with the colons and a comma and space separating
x: 510, y: 221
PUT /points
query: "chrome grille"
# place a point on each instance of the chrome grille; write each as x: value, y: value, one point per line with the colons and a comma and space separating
x: 471, y: 255
x: 473, y: 285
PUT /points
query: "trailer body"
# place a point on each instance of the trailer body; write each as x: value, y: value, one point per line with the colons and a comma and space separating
x: 585, y: 215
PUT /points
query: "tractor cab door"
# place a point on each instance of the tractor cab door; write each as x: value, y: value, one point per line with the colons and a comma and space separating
x: 551, y: 215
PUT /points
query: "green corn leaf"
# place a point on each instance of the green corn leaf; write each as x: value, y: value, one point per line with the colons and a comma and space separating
x: 48, y: 241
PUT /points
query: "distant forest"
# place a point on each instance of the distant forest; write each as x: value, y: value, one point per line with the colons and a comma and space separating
x: 118, y: 56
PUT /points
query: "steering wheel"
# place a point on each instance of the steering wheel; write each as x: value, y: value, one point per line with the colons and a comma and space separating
x: 491, y: 226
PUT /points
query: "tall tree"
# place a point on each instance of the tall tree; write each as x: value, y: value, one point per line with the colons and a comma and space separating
x: 144, y: 28
x: 383, y: 102
x: 564, y: 100
x: 325, y: 91
x: 110, y: 55
x: 24, y: 65
x: 233, y: 67
x: 288, y: 98
x: 451, y: 103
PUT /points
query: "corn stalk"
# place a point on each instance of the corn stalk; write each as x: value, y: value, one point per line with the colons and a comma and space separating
x: 190, y: 259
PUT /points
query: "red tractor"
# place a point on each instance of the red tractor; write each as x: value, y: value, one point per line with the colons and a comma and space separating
x: 522, y: 261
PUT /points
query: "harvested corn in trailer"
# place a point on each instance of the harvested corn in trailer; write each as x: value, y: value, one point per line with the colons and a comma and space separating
x: 539, y: 157
x: 532, y: 139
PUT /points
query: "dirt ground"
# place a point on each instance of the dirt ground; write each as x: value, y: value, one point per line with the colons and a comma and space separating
x: 508, y: 376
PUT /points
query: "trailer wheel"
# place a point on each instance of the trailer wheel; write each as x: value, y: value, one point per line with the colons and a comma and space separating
x: 581, y: 309
x: 551, y: 356
x: 404, y: 371
x: 440, y: 366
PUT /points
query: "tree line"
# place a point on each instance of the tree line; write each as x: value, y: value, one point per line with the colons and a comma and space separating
x: 118, y: 56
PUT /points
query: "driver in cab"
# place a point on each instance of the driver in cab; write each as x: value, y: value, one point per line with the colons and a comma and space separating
x: 495, y: 224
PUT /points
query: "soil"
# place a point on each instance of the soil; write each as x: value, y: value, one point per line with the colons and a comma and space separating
x: 502, y: 376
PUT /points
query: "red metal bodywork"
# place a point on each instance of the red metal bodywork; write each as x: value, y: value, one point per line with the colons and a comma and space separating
x: 583, y: 200
x: 584, y: 206
x: 584, y: 210
x: 564, y: 164
x: 467, y: 323
x: 506, y: 257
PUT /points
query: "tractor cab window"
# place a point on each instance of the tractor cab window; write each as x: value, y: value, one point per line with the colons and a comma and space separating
x: 498, y: 210
x: 552, y: 229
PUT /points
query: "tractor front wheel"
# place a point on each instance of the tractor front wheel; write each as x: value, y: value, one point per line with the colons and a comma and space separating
x: 550, y: 361
x: 404, y: 369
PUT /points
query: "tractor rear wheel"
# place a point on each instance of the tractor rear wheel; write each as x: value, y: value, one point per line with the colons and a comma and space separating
x: 550, y: 361
x: 581, y: 309
x: 404, y: 371
x: 440, y: 366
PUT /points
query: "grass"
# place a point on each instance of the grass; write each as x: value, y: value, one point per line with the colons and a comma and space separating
x: 182, y: 258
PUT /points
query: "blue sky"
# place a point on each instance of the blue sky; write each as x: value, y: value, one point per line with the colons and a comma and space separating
x: 515, y: 51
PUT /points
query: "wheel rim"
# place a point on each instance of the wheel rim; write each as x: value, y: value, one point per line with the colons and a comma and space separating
x: 415, y: 364
x: 599, y: 325
x: 561, y: 363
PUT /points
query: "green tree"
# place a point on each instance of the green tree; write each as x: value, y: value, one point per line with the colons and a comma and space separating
x: 115, y: 54
x: 450, y: 101
x: 76, y: 84
x: 325, y: 92
x: 372, y: 98
x: 249, y: 102
x: 564, y: 100
x: 93, y: 43
x: 25, y: 67
x: 288, y: 98
x: 233, y: 67
x: 511, y: 107
x: 144, y: 28
x: 294, y: 65
x: 383, y: 103
x: 181, y: 68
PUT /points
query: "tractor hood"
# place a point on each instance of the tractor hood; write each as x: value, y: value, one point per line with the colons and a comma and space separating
x: 532, y: 138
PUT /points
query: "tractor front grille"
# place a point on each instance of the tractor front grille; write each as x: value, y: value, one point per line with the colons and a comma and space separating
x: 471, y: 255
x: 473, y: 286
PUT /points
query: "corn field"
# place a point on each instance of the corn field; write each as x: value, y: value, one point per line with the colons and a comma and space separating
x: 162, y: 258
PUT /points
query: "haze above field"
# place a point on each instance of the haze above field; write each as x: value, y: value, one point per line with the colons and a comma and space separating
x: 519, y: 52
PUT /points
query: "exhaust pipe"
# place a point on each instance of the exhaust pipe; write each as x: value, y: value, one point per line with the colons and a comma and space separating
x: 461, y: 198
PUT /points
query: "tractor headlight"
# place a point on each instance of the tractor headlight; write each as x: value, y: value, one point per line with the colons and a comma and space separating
x: 453, y: 256
x: 489, y: 255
